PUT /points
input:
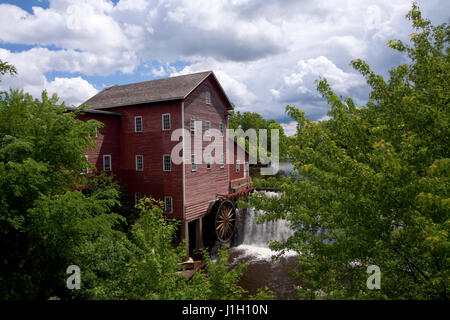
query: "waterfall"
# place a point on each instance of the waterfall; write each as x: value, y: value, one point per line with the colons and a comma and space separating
x: 253, y: 238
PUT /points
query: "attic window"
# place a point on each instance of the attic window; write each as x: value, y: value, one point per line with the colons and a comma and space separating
x: 208, y: 97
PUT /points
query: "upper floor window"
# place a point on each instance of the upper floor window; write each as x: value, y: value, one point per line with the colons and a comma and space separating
x: 168, y: 205
x: 107, y: 162
x: 208, y: 97
x: 139, y: 162
x: 166, y: 162
x: 238, y: 165
x: 207, y: 128
x: 137, y: 197
x: 221, y: 129
x: 193, y: 164
x: 192, y: 126
x: 222, y: 160
x: 138, y: 124
x: 166, y: 121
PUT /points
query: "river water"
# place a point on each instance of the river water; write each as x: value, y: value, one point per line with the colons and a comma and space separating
x: 251, y: 245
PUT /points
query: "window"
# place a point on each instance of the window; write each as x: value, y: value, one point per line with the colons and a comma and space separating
x: 192, y: 125
x: 168, y: 204
x: 193, y: 164
x: 138, y: 124
x: 166, y: 162
x: 208, y: 127
x: 166, y: 121
x: 137, y: 197
x: 222, y: 160
x: 238, y: 165
x: 208, y: 97
x: 139, y: 162
x: 221, y: 129
x: 107, y: 162
x: 96, y: 132
x: 86, y: 171
x: 208, y: 162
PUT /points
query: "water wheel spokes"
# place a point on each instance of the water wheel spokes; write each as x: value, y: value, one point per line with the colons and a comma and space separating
x: 225, y: 220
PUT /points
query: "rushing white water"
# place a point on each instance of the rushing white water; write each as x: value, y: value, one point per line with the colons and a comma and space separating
x: 255, y: 237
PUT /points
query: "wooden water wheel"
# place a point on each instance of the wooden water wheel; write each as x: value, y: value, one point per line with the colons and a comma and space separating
x: 225, y: 220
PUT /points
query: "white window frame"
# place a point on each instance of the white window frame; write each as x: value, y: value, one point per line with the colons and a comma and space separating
x: 165, y: 204
x: 192, y: 126
x: 135, y: 124
x: 110, y: 162
x: 208, y: 162
x: 164, y: 163
x: 193, y: 164
x: 208, y: 97
x: 221, y: 129
x: 207, y: 128
x: 137, y: 162
x: 238, y: 166
x: 137, y: 197
x: 162, y: 119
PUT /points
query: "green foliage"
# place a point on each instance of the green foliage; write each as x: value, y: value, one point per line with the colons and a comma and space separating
x: 145, y: 265
x: 5, y: 68
x: 41, y: 156
x: 251, y: 120
x: 371, y: 184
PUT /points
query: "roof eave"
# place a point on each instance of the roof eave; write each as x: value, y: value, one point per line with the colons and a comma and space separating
x: 134, y: 104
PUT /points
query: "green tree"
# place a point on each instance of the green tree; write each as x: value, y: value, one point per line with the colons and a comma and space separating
x: 41, y: 156
x: 252, y: 120
x: 6, y: 68
x: 371, y: 185
x: 146, y: 265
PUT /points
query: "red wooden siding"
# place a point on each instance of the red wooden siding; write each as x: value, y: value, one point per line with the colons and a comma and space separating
x: 203, y: 185
x: 107, y: 139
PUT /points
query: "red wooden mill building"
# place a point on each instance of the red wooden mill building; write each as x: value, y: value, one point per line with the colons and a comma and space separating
x: 135, y: 145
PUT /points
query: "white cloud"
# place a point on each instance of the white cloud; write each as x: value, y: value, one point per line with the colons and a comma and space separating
x: 265, y: 53
x: 290, y: 128
x: 73, y: 91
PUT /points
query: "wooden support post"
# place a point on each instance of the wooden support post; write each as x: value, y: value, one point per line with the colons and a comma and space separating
x: 185, y: 235
x: 199, y: 234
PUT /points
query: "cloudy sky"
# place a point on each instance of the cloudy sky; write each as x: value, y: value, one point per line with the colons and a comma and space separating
x: 265, y: 53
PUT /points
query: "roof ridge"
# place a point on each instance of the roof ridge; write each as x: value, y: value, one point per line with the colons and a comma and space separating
x: 146, y: 81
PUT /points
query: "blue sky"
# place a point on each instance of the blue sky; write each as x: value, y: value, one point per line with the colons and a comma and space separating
x: 266, y: 54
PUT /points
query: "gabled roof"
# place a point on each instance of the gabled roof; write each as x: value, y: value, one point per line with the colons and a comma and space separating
x: 174, y: 88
